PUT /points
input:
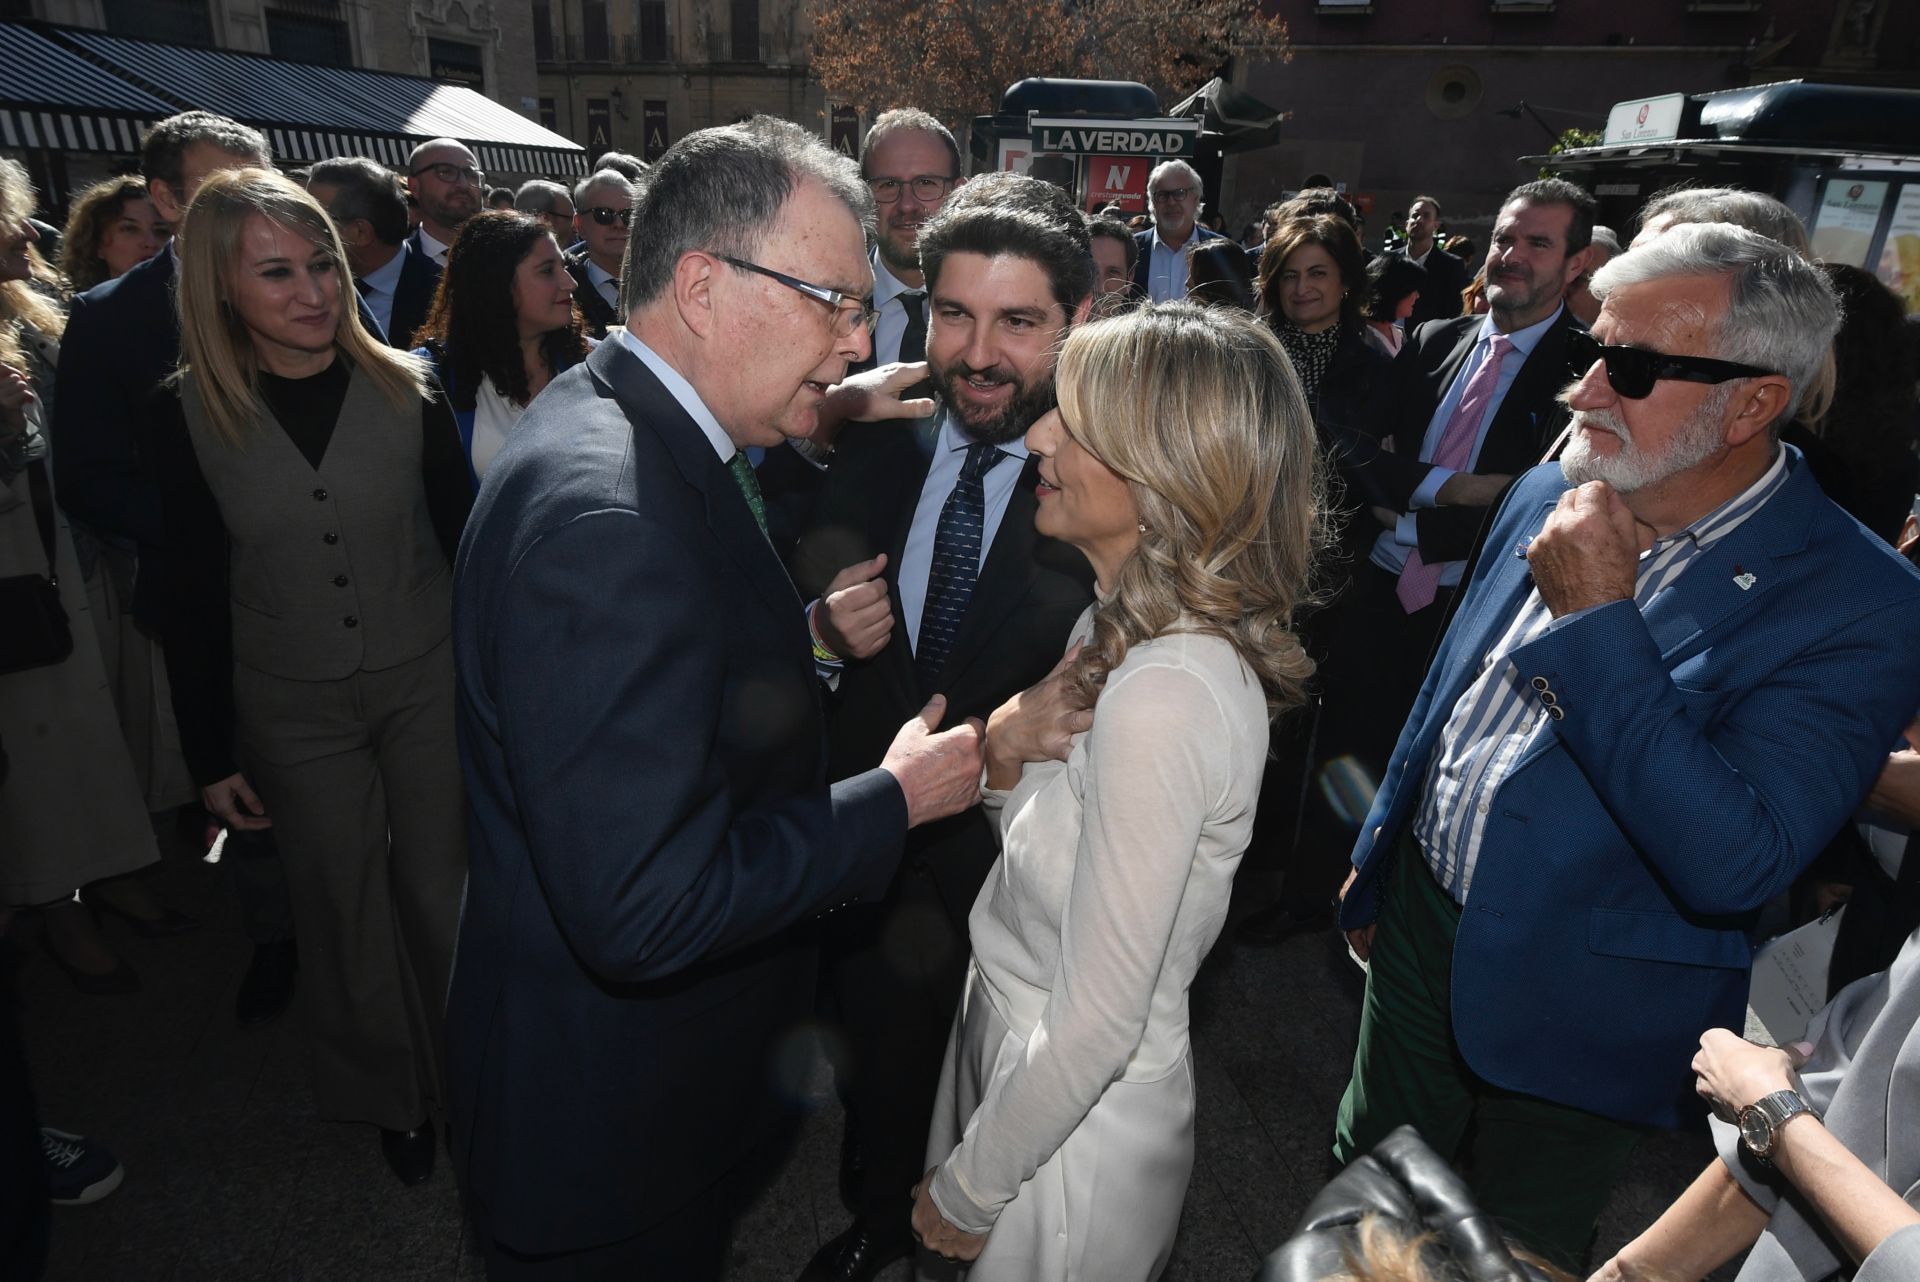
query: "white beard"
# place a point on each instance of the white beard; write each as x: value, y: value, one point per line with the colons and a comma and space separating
x: 1699, y: 439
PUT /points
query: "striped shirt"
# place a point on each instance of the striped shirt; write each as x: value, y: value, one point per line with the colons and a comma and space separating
x: 1499, y: 714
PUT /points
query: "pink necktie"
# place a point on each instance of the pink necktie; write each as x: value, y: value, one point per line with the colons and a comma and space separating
x: 1420, y: 581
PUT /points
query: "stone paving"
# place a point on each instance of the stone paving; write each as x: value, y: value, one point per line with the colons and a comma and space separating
x: 229, y: 1175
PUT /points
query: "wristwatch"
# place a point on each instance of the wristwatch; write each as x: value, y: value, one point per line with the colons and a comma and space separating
x: 1760, y: 1121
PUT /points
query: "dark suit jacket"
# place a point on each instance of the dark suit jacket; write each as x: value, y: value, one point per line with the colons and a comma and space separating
x: 1439, y: 298
x: 1525, y: 425
x: 412, y: 297
x: 598, y: 313
x: 645, y: 759
x: 1636, y: 837
x: 1030, y: 591
x: 1144, y: 239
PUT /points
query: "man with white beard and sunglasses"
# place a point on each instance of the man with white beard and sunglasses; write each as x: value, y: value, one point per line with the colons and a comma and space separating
x: 927, y: 574
x: 1674, y: 671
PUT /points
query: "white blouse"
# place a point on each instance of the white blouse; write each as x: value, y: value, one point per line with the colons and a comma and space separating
x: 494, y: 418
x: 1111, y: 887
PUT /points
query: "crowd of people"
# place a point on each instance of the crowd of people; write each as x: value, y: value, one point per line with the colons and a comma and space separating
x: 614, y: 624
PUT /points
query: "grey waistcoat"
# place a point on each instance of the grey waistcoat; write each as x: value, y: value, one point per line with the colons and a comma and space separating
x: 331, y: 570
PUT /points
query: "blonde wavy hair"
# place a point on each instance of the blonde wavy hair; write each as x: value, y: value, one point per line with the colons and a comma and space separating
x: 1198, y: 410
x: 26, y: 302
x: 215, y: 345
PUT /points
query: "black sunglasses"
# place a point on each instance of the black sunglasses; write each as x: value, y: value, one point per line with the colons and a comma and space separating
x: 1632, y: 371
x: 605, y: 216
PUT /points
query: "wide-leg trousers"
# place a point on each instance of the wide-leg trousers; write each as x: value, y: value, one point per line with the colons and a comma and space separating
x: 361, y: 777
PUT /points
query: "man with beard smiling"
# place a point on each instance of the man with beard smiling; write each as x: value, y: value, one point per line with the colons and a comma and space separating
x: 927, y: 575
x: 1675, y: 671
x: 1471, y: 404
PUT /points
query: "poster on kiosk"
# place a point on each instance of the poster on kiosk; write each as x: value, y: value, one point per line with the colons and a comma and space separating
x: 1100, y: 162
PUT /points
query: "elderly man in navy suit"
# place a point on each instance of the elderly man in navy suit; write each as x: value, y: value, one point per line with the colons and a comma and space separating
x: 641, y: 729
x: 1673, y: 673
x: 1160, y: 268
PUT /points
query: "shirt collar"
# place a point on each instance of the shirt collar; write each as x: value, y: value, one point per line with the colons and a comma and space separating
x: 598, y: 274
x: 887, y: 286
x: 386, y: 280
x: 682, y: 391
x: 1192, y: 234
x: 1729, y: 516
x: 1523, y: 340
x: 428, y: 245
x: 953, y: 436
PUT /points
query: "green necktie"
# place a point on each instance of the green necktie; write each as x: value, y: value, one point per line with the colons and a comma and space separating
x: 749, y: 487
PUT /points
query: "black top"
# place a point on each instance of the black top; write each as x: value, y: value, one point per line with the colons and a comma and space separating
x: 197, y: 626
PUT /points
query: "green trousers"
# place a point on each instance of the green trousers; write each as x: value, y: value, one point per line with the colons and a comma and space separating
x: 1543, y: 1170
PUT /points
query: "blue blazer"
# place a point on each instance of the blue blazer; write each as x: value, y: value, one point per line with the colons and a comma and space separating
x: 649, y: 815
x: 1144, y: 239
x: 412, y: 295
x: 1708, y: 750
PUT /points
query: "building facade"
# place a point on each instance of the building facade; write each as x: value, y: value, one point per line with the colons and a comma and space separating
x: 636, y: 75
x: 484, y: 45
x: 1396, y: 98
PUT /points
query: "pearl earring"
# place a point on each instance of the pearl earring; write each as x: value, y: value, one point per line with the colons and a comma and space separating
x: 1143, y: 527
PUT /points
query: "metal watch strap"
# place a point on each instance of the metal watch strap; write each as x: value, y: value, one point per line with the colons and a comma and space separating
x: 1778, y: 1108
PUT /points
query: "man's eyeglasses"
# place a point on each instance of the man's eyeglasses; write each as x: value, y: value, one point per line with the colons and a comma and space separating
x: 606, y: 217
x: 1173, y: 193
x: 926, y: 188
x: 1632, y: 371
x: 452, y: 174
x: 849, y: 313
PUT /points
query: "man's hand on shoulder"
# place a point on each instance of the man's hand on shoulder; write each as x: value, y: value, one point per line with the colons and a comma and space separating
x: 939, y: 771
x: 1588, y: 552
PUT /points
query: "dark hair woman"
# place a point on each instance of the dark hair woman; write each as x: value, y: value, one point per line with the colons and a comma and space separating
x: 1219, y: 271
x: 503, y: 324
x: 1313, y: 289
x: 113, y: 228
x: 1394, y: 282
x: 314, y: 497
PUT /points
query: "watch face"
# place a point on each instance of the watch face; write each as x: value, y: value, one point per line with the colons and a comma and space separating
x: 1756, y: 1131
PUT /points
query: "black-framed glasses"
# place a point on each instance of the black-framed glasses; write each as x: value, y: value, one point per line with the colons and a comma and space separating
x: 1173, y: 193
x: 1632, y: 371
x: 849, y: 312
x: 452, y: 174
x: 606, y: 216
x: 926, y: 188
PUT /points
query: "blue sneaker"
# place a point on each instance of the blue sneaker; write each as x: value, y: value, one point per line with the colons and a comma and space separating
x: 79, y: 1170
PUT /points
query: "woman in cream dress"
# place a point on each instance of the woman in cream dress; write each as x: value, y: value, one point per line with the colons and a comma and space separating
x: 1182, y: 463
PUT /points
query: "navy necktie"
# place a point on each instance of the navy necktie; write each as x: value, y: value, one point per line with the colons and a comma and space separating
x: 956, y: 564
x: 913, y: 339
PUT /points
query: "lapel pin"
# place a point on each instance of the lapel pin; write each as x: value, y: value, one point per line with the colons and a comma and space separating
x: 1743, y: 578
x: 1520, y: 548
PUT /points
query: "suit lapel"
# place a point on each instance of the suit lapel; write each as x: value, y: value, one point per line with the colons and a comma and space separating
x: 1516, y: 437
x: 650, y: 407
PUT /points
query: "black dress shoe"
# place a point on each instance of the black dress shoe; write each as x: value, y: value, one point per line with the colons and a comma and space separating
x: 409, y: 1153
x: 854, y: 1256
x: 1279, y: 922
x: 267, y: 986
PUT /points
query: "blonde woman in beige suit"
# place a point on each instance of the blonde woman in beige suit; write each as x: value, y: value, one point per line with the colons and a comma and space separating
x: 314, y: 492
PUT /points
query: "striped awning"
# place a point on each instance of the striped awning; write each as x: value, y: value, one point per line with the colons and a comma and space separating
x: 66, y: 85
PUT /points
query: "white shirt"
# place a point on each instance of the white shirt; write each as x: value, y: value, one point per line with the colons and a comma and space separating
x: 494, y: 418
x: 682, y: 391
x: 604, y: 281
x: 430, y: 247
x: 378, y: 286
x: 891, y: 326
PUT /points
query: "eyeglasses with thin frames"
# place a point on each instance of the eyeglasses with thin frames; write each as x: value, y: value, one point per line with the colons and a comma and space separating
x: 606, y: 215
x: 453, y: 174
x: 1633, y: 371
x: 848, y: 312
x: 926, y: 188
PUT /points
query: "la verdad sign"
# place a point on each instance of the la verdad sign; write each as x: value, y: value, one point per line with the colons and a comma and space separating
x: 1080, y: 136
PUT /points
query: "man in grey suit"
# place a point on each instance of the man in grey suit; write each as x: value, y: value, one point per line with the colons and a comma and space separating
x: 641, y: 730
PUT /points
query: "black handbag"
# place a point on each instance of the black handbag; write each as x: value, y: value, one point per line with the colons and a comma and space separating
x: 33, y: 624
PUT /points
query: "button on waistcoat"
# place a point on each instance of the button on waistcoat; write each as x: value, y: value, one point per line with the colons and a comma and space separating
x: 331, y: 570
